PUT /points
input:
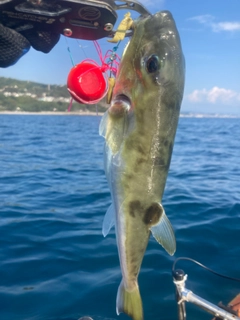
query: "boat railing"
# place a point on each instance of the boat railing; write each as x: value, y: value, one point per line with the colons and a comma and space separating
x: 184, y: 295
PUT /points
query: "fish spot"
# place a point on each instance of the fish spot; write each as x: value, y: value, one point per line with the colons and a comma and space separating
x: 140, y: 149
x: 170, y: 147
x: 134, y: 208
x: 152, y: 214
x: 158, y: 161
x: 166, y: 143
x: 129, y: 176
x: 139, y: 161
x: 141, y: 250
x: 134, y: 270
x: 131, y: 144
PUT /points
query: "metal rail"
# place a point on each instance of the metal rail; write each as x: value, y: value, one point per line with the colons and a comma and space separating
x: 184, y: 295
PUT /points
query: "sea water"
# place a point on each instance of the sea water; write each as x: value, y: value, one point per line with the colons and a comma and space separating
x: 55, y: 263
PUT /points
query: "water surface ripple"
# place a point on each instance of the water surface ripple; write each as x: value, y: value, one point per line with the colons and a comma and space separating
x: 54, y: 262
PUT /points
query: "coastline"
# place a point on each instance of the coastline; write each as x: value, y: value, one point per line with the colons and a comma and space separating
x: 50, y: 113
x: 88, y: 113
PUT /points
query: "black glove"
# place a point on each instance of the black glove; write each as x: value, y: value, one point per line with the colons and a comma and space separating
x: 13, y: 45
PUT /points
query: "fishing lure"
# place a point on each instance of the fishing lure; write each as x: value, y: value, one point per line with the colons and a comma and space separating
x: 88, y: 82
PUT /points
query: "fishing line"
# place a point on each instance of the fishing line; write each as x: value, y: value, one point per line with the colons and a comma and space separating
x: 69, y: 52
x: 89, y: 82
x: 204, y: 267
x: 80, y: 46
x: 113, y: 57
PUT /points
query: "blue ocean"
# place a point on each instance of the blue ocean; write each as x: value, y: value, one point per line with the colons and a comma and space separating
x: 55, y: 263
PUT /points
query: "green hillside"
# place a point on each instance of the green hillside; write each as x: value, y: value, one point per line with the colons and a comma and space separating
x: 17, y: 95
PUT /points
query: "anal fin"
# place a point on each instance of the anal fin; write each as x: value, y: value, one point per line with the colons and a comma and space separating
x: 108, y: 221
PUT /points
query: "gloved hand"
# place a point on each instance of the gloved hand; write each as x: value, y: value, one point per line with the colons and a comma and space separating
x: 13, y: 45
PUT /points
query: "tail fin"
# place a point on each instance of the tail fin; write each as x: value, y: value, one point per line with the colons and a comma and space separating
x: 129, y: 302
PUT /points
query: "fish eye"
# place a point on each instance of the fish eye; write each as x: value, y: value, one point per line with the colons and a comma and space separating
x: 152, y: 64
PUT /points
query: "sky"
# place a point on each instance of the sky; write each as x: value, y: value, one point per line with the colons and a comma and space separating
x: 210, y: 36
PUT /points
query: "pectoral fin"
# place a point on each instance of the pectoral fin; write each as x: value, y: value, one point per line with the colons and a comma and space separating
x: 108, y: 221
x: 164, y: 234
x: 103, y: 125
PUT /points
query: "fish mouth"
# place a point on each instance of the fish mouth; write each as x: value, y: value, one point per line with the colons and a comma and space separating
x: 123, y: 99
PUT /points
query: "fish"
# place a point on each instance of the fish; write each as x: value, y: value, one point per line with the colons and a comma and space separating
x: 139, y: 128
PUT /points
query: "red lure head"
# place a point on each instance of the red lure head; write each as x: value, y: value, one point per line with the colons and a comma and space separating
x: 87, y: 81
